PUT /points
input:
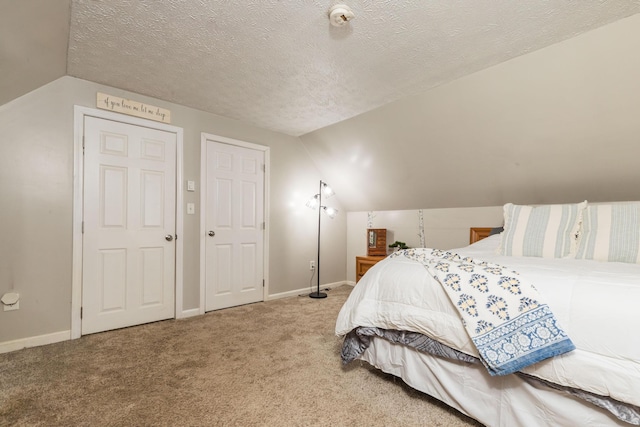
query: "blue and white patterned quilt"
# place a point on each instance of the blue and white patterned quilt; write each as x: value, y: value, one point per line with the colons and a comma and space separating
x: 504, y: 316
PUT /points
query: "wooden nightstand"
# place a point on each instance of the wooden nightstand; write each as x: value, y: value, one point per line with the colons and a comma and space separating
x: 364, y: 263
x: 478, y: 233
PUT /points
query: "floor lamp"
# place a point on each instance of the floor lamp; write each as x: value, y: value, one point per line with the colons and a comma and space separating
x: 316, y: 202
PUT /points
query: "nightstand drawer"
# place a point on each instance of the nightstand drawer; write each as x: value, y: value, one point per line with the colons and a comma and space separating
x: 364, y: 263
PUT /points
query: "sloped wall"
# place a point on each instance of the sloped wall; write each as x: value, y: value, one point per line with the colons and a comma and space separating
x: 34, y: 35
x: 553, y: 126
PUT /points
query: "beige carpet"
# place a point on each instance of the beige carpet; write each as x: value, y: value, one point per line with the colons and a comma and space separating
x: 267, y: 364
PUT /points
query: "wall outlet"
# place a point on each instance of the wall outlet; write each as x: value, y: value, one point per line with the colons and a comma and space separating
x: 12, y: 307
x: 312, y: 265
x: 10, y: 301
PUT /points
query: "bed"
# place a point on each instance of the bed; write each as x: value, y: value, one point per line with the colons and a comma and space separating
x: 582, y: 261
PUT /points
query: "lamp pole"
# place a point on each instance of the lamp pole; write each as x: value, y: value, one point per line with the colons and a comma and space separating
x: 318, y: 294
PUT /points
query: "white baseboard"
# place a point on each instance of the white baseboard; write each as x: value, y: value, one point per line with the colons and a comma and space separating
x: 307, y: 290
x: 189, y: 313
x: 19, y: 344
x: 7, y: 346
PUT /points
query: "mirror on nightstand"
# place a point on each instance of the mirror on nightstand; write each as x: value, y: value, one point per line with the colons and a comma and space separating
x: 376, y: 241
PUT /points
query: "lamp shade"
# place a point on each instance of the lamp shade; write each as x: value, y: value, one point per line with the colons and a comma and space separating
x: 313, y: 202
x: 327, y: 191
x: 331, y: 212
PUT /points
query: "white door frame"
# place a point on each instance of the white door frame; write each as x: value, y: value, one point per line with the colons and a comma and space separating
x: 203, y: 197
x: 78, y: 189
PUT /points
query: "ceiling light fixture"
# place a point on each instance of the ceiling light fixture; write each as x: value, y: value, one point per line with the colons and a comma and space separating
x: 340, y: 15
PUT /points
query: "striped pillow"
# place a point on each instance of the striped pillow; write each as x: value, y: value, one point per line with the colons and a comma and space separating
x: 548, y: 231
x: 611, y: 232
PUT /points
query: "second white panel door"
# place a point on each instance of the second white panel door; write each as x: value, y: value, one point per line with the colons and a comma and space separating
x: 234, y: 225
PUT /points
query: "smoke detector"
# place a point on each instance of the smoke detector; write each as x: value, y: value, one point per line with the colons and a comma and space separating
x: 340, y: 15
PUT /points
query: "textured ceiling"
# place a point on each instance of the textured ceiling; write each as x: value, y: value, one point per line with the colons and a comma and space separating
x: 280, y: 65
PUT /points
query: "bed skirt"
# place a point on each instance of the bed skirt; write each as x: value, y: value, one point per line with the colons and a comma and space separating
x: 493, y: 401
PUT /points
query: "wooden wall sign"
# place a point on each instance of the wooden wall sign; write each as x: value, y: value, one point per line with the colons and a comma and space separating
x: 132, y: 108
x: 376, y: 241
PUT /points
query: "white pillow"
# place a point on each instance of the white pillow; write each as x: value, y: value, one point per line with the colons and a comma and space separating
x: 547, y: 231
x: 611, y: 232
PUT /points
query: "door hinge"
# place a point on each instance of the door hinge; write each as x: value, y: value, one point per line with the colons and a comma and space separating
x: 82, y: 227
x: 264, y: 167
x: 80, y: 312
x: 263, y: 283
x: 263, y: 225
x: 82, y: 144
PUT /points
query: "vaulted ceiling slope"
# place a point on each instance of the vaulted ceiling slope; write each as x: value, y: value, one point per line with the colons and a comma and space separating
x: 33, y: 44
x: 279, y: 64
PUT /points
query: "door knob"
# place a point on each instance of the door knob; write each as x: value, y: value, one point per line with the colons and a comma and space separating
x: 168, y: 237
x: 212, y: 233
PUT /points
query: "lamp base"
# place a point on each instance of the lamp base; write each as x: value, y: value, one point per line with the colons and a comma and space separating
x: 317, y: 295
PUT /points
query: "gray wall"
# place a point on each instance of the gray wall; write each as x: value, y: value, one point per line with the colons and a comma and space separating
x: 34, y: 35
x: 36, y: 201
x: 556, y: 125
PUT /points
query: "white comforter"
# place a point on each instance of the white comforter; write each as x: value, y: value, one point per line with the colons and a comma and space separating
x: 597, y: 304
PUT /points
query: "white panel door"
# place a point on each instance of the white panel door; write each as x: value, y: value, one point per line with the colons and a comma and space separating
x: 234, y: 230
x: 128, y: 266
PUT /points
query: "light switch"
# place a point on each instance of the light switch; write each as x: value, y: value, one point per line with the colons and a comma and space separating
x: 191, y: 208
x: 191, y: 186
